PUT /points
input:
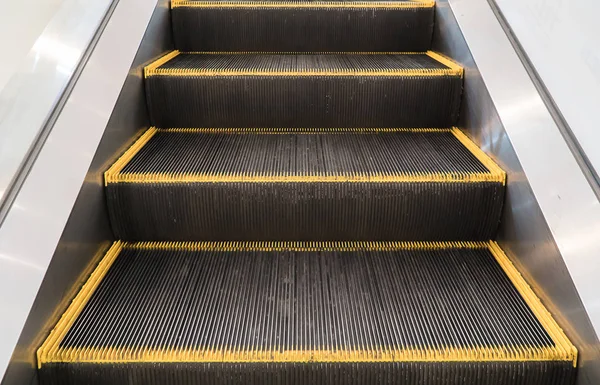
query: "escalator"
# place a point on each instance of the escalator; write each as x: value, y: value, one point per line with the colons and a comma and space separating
x: 304, y: 211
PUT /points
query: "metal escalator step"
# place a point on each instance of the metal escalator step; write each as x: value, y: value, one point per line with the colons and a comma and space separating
x: 302, y: 26
x: 311, y: 184
x: 308, y: 90
x: 216, y: 313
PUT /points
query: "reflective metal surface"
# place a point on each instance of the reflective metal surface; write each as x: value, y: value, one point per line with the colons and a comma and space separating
x: 525, y: 232
x: 31, y: 96
x: 561, y: 40
x: 33, y: 226
x: 17, y: 16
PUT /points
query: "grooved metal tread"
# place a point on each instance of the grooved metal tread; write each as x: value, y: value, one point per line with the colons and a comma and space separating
x: 304, y: 155
x: 302, y: 26
x: 305, y: 302
x: 294, y: 3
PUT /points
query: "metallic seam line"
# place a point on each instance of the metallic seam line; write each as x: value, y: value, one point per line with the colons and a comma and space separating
x: 51, y: 352
x: 50, y: 348
x: 562, y: 342
x: 30, y: 157
x: 568, y: 135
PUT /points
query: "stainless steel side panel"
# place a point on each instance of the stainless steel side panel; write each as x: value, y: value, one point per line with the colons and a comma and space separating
x: 553, y: 242
x: 31, y: 234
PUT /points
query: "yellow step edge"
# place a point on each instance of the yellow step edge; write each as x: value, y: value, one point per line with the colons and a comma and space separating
x: 114, y: 173
x: 50, y: 348
x: 304, y: 4
x: 480, y: 155
x: 301, y: 53
x: 297, y: 131
x: 563, y: 344
x: 302, y: 246
x: 50, y: 351
x: 151, y: 68
x: 453, y: 69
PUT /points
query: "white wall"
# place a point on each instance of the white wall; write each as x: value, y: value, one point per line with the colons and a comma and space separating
x: 21, y: 22
x: 562, y: 39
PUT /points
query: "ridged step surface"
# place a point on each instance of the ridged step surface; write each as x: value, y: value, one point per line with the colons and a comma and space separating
x: 312, y: 90
x: 299, y: 313
x: 292, y: 184
x: 301, y: 26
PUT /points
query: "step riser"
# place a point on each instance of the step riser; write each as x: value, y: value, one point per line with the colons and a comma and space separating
x: 302, y: 29
x: 304, y: 101
x: 406, y: 373
x: 305, y: 211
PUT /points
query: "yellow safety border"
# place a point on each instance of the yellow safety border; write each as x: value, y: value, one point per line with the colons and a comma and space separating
x: 50, y: 348
x: 303, y: 53
x: 51, y: 352
x: 298, y: 131
x: 115, y: 175
x: 304, y: 4
x: 564, y: 347
x: 453, y: 68
x: 479, y: 154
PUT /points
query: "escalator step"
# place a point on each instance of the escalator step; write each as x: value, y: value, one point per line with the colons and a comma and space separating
x: 302, y: 26
x: 311, y: 184
x: 312, y: 90
x: 299, y: 313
